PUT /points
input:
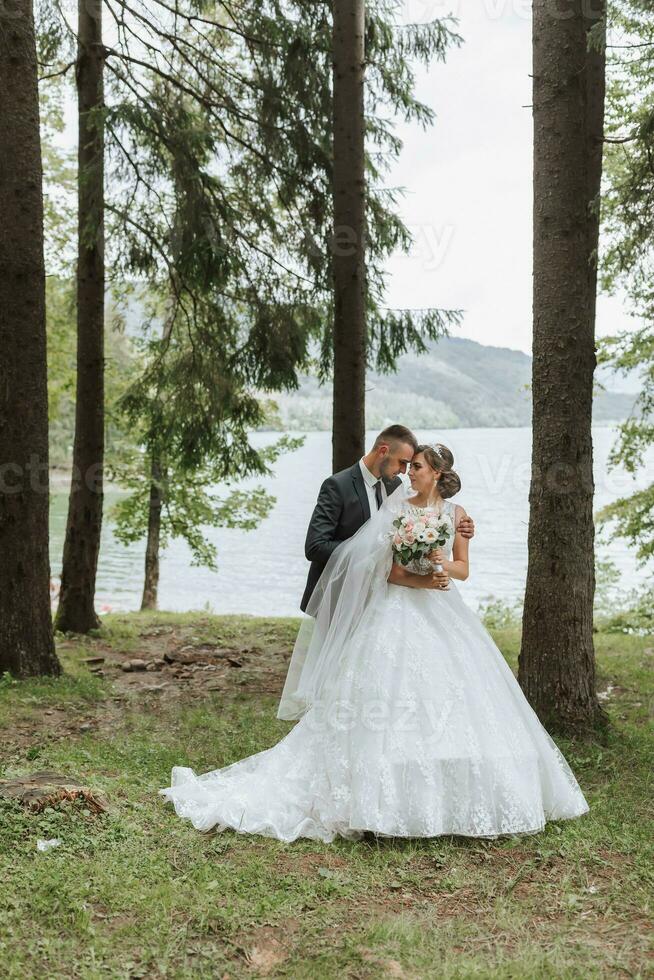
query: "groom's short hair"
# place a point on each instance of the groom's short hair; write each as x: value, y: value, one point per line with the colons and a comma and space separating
x: 394, y: 434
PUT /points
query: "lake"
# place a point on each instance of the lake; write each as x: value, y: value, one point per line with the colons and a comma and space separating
x: 494, y: 466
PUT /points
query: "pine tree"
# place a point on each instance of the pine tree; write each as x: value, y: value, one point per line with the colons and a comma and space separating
x: 242, y: 102
x: 221, y: 249
x: 556, y: 663
x: 26, y: 637
x: 299, y: 59
x: 192, y: 413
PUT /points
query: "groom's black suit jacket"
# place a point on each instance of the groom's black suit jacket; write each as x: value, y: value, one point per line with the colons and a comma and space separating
x: 342, y: 507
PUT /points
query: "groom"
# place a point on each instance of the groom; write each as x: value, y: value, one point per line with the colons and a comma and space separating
x: 347, y: 499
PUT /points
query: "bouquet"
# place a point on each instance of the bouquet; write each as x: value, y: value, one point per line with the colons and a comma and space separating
x: 415, y: 537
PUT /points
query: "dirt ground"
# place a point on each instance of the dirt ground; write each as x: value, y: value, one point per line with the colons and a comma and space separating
x: 165, y: 664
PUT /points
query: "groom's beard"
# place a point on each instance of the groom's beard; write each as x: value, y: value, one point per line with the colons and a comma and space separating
x: 383, y: 468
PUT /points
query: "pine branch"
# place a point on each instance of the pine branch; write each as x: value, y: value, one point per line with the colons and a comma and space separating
x: 58, y: 74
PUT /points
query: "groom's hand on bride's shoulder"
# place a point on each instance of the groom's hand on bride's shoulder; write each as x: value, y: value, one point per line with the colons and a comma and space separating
x: 466, y: 527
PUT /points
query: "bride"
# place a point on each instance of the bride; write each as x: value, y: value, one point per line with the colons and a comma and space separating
x: 411, y: 723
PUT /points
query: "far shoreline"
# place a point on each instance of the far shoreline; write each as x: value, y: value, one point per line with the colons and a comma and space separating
x: 60, y: 476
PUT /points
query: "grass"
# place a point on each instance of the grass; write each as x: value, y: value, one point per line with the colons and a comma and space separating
x: 136, y: 892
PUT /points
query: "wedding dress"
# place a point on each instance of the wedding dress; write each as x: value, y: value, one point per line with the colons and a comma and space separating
x: 411, y: 723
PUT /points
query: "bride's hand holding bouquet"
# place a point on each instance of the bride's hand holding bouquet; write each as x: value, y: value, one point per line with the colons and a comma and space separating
x: 437, y: 559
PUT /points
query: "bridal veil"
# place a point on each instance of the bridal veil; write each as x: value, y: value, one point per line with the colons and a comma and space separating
x: 356, y: 569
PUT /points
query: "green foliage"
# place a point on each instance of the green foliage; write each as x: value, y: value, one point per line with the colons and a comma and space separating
x: 629, y: 259
x: 62, y: 343
x: 633, y: 518
x: 618, y: 610
x: 630, y: 352
x: 188, y: 509
x: 497, y: 614
x: 627, y: 214
x: 296, y: 76
x: 227, y: 196
x: 121, y: 366
x: 635, y: 617
x: 218, y: 160
x: 606, y: 586
x: 59, y: 184
x: 60, y: 228
x: 190, y: 503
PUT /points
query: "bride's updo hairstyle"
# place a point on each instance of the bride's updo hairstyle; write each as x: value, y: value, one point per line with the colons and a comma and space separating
x: 441, y: 460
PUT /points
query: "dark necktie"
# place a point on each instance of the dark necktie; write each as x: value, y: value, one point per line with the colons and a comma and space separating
x: 378, y: 493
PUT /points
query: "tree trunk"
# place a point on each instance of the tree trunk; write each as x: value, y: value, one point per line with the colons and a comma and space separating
x: 557, y: 661
x: 151, y: 581
x: 158, y: 469
x: 82, y: 545
x: 348, y: 246
x: 26, y: 639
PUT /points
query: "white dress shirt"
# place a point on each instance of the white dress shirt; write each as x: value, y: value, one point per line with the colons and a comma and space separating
x: 370, y: 480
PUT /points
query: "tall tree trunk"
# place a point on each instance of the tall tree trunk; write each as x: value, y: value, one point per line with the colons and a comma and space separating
x: 26, y: 639
x: 157, y: 492
x: 557, y: 661
x: 348, y: 247
x: 157, y: 460
x: 151, y: 580
x: 82, y: 545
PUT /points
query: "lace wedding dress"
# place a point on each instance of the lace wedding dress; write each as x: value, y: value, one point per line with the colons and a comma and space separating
x: 411, y: 723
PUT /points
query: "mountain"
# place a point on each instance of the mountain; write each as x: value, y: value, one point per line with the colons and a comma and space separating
x: 459, y: 383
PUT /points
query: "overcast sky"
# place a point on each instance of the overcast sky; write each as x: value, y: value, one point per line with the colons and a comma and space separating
x: 468, y: 179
